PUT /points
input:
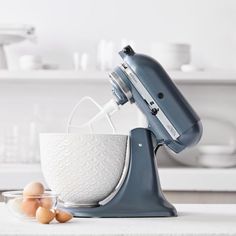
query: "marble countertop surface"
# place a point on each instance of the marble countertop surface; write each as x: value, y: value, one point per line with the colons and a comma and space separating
x: 193, y: 219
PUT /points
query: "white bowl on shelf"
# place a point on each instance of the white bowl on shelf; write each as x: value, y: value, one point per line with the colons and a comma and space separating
x: 171, y: 55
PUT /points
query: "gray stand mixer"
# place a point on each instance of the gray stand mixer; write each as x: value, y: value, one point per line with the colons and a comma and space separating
x: 172, y: 122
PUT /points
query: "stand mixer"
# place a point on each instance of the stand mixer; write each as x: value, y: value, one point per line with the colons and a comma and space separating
x: 171, y: 122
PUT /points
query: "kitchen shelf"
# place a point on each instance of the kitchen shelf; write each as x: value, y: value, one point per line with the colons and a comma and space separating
x: 16, y: 176
x: 206, y: 77
x: 53, y: 75
x: 198, y: 179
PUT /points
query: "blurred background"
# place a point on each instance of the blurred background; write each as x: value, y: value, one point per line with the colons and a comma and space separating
x: 52, y: 53
x: 64, y: 27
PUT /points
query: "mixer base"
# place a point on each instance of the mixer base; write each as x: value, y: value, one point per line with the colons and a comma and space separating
x: 141, y: 194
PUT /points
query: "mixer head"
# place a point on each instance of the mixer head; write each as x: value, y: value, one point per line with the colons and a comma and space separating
x: 143, y: 81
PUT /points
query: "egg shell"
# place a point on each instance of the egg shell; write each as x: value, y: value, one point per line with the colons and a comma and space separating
x: 44, y: 215
x: 63, y: 216
x: 33, y: 188
x: 46, y: 202
x: 29, y: 206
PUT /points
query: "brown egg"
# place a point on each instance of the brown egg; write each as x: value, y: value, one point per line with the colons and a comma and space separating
x: 33, y: 188
x: 29, y: 206
x: 63, y: 216
x: 46, y: 202
x: 44, y: 215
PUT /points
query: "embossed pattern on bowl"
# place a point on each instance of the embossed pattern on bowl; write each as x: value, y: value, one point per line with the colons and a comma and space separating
x: 82, y: 169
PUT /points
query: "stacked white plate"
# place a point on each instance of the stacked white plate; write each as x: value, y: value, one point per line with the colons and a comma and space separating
x: 217, y: 148
x: 171, y: 55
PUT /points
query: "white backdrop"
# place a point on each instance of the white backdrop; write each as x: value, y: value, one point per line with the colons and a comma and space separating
x: 65, y: 26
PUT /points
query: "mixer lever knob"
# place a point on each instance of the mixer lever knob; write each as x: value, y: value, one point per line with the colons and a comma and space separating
x: 154, y: 111
x: 128, y: 50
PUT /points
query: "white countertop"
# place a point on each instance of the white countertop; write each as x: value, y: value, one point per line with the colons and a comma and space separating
x: 192, y: 220
x: 16, y: 176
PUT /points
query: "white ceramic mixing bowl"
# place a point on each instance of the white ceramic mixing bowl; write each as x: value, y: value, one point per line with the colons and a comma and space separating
x: 83, y: 169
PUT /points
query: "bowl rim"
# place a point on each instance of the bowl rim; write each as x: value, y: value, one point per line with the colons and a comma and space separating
x: 19, y: 193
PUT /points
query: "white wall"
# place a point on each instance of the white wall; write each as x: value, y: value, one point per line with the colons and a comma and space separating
x: 64, y: 26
